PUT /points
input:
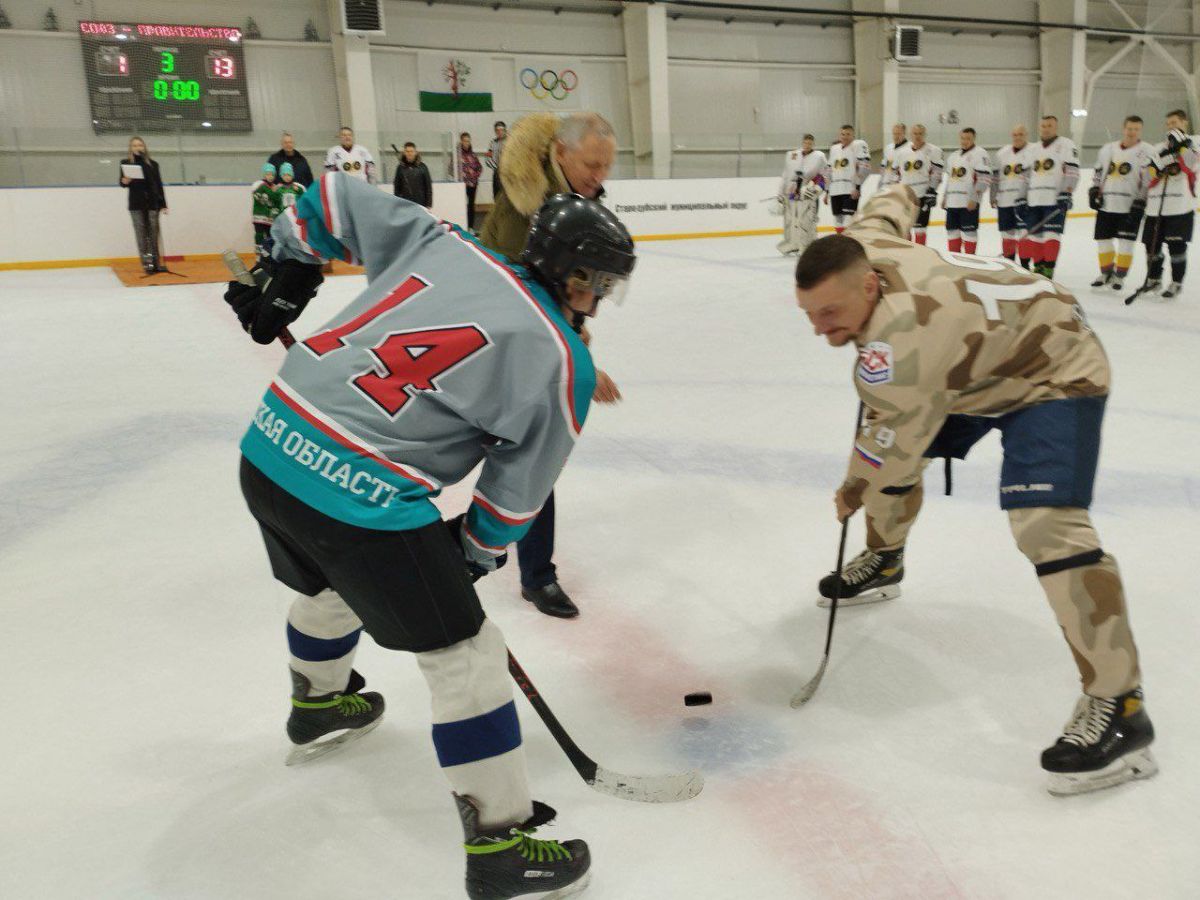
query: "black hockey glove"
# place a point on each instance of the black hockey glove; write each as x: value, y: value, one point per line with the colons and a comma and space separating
x: 1065, y: 202
x: 928, y: 200
x: 1177, y: 141
x: 265, y: 312
x: 1095, y: 200
x: 1137, y: 211
x: 474, y: 569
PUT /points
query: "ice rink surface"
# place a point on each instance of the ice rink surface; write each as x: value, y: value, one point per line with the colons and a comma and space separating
x: 144, y: 659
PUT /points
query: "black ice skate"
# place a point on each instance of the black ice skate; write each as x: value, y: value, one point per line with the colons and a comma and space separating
x: 1172, y: 290
x: 508, y: 862
x: 350, y: 714
x: 1106, y: 743
x: 1104, y: 280
x: 1151, y: 286
x: 868, y: 578
x: 1117, y: 284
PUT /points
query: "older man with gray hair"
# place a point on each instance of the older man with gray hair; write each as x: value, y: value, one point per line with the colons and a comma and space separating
x: 546, y: 155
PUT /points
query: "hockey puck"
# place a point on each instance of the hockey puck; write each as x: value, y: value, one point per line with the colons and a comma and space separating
x: 700, y: 698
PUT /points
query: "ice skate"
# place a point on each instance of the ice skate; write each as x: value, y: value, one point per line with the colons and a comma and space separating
x: 1106, y: 743
x: 347, y: 716
x: 508, y: 862
x: 1172, y: 290
x: 1151, y: 286
x: 868, y: 578
x: 1117, y: 284
x: 1104, y: 280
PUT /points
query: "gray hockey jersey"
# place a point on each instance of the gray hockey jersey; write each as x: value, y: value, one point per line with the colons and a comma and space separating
x: 452, y: 356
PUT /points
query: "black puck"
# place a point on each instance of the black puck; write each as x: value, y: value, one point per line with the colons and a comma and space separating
x: 700, y: 698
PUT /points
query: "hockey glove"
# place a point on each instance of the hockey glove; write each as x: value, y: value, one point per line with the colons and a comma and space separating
x: 809, y: 192
x: 777, y: 205
x: 475, y: 569
x: 1065, y: 202
x: 928, y: 200
x: 1177, y: 141
x: 265, y: 312
x: 1095, y: 200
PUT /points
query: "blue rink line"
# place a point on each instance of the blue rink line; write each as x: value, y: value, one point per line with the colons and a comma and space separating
x: 62, y: 483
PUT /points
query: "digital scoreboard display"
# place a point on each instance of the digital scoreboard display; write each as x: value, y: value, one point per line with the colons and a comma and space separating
x: 143, y: 77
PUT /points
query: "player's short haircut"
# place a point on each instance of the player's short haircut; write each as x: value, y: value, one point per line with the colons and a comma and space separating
x: 808, y: 137
x: 1178, y: 113
x: 465, y: 134
x: 846, y: 128
x: 1136, y: 119
x: 408, y: 144
x: 900, y: 125
x: 919, y: 125
x: 1050, y: 118
x: 830, y: 255
x: 501, y: 124
x: 576, y: 127
x: 969, y: 130
x: 346, y: 128
x: 287, y: 134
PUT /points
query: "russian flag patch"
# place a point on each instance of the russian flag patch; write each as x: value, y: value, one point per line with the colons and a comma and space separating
x: 869, y: 458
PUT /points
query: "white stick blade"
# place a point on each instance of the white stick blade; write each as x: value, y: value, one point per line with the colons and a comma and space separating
x: 648, y: 788
x: 806, y: 693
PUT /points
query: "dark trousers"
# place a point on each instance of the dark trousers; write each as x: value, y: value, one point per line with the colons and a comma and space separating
x: 471, y: 189
x: 535, y: 551
x: 145, y: 229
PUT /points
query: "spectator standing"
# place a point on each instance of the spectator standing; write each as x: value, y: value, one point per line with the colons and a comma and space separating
x: 289, y: 189
x: 287, y: 153
x: 351, y: 158
x: 495, y: 149
x: 412, y: 178
x: 146, y: 200
x: 471, y: 168
x: 265, y: 205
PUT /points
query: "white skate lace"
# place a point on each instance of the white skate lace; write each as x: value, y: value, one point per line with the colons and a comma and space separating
x: 861, y: 567
x: 1092, y: 716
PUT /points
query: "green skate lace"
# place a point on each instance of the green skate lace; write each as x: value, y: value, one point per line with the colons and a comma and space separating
x: 531, y: 848
x: 347, y: 704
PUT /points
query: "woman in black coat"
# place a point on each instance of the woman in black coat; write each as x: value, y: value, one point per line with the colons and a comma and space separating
x: 146, y: 200
x: 412, y: 180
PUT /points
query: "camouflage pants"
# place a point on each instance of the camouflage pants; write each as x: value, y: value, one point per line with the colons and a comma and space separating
x: 1082, y: 583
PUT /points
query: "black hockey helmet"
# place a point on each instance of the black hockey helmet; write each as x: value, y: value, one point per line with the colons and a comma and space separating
x: 573, y: 238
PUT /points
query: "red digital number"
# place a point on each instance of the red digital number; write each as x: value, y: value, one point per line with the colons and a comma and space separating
x: 410, y: 361
x: 406, y: 361
x: 222, y: 67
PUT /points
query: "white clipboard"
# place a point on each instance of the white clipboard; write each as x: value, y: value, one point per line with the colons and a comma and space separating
x: 131, y: 171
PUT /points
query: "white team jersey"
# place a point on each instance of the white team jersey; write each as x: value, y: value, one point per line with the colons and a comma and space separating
x: 968, y: 174
x: 848, y: 167
x: 799, y: 169
x: 356, y: 161
x: 1010, y: 175
x: 1168, y: 183
x: 1120, y: 174
x: 920, y: 169
x: 889, y: 156
x: 1055, y: 171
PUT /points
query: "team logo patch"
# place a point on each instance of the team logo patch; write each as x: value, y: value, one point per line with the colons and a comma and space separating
x: 875, y: 363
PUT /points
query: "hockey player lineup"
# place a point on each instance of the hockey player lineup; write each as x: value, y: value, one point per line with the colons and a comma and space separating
x: 844, y: 559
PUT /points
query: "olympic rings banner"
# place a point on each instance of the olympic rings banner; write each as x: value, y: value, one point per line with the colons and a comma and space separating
x: 547, y: 83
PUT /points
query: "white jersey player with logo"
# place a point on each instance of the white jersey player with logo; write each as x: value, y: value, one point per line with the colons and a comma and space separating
x: 1121, y: 174
x: 919, y: 165
x: 355, y: 160
x: 799, y: 188
x: 968, y: 174
x: 848, y: 167
x: 1055, y: 172
x: 1010, y: 190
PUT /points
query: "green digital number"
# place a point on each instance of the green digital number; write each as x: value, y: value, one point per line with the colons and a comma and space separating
x: 161, y: 89
x: 176, y: 90
x: 168, y: 62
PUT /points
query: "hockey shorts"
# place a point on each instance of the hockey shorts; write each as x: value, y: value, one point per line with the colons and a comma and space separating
x: 1050, y: 450
x: 1172, y: 230
x: 962, y: 219
x: 1045, y: 219
x: 843, y: 205
x: 1111, y: 225
x: 1012, y: 218
x: 923, y: 217
x: 410, y: 588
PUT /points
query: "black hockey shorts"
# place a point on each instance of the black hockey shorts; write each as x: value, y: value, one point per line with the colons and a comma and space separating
x: 410, y: 588
x: 843, y: 205
x: 1173, y: 230
x: 959, y: 218
x: 1111, y: 225
x: 1011, y: 218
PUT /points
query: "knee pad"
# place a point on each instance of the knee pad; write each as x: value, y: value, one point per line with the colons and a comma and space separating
x: 1055, y: 538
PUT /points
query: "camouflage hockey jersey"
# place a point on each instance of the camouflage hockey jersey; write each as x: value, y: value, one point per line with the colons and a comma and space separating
x: 449, y: 358
x: 954, y: 334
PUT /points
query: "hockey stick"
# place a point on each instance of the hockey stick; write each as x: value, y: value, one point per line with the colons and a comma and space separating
x: 1162, y: 199
x: 642, y: 788
x: 806, y: 693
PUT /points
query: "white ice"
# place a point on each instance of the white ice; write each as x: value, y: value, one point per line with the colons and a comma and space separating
x: 145, y: 687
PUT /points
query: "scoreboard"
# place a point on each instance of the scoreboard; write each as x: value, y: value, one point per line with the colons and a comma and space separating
x: 144, y: 77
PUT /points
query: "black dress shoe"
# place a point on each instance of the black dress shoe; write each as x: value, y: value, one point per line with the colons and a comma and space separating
x: 552, y: 600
